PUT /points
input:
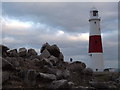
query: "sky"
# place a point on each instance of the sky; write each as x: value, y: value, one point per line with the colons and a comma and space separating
x: 31, y: 24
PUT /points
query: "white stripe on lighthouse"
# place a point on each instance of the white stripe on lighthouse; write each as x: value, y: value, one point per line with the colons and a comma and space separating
x: 95, y: 27
x: 96, y: 61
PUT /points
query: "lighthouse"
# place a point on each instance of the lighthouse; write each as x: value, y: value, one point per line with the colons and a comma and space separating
x: 95, y: 42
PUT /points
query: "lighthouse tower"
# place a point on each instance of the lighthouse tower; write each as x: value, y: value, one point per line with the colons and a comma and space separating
x: 95, y: 42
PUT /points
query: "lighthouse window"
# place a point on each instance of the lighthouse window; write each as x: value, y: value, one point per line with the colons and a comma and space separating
x: 95, y: 13
x: 94, y: 22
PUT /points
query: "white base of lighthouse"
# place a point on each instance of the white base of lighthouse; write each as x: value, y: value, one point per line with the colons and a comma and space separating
x: 97, y: 63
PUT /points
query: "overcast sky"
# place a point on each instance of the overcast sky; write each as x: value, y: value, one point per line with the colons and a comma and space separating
x: 28, y: 24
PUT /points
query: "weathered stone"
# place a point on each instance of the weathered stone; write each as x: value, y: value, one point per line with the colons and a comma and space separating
x: 53, y: 60
x: 45, y: 46
x: 62, y: 74
x: 76, y: 66
x: 59, y: 84
x: 45, y: 62
x: 3, y: 50
x: 61, y: 57
x: 22, y: 52
x: 71, y: 84
x: 32, y: 52
x: 87, y: 72
x: 5, y: 76
x: 6, y: 66
x: 13, y: 60
x: 44, y: 54
x: 46, y: 77
x: 54, y: 50
x: 13, y: 53
x: 30, y: 78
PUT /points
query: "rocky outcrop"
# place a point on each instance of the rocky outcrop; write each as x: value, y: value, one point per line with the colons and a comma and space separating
x: 27, y: 69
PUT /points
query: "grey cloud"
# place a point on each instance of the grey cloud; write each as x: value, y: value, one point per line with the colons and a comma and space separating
x: 72, y: 18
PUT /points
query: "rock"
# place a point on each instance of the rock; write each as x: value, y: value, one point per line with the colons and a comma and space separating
x: 71, y: 84
x: 44, y: 46
x: 5, y: 76
x: 32, y: 52
x: 13, y: 53
x: 87, y: 74
x: 30, y: 78
x: 62, y: 74
x: 6, y: 66
x: 54, y: 50
x: 118, y: 80
x: 59, y: 84
x: 3, y: 49
x: 88, y: 71
x: 53, y: 60
x: 22, y: 74
x: 45, y: 62
x: 46, y: 77
x: 61, y: 57
x: 76, y: 66
x: 14, y: 61
x: 22, y: 52
x: 44, y: 54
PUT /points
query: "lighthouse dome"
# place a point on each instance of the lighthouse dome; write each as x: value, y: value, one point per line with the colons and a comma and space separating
x: 93, y: 9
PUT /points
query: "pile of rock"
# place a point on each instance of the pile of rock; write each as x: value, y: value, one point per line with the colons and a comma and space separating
x: 26, y: 69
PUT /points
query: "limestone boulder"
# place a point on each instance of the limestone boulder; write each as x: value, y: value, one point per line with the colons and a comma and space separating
x: 54, y: 50
x: 44, y: 62
x: 14, y: 61
x: 76, y: 66
x: 88, y: 71
x: 44, y: 77
x: 62, y: 74
x: 44, y: 54
x: 3, y: 50
x: 6, y: 65
x: 32, y: 52
x: 22, y: 52
x: 53, y: 60
x: 59, y: 84
x: 44, y: 46
x: 61, y: 57
x: 13, y: 53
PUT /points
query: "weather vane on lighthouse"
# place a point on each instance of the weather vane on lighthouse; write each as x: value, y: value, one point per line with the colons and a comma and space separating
x: 95, y: 42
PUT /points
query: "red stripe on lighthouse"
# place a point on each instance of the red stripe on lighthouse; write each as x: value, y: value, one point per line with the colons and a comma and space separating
x: 95, y: 44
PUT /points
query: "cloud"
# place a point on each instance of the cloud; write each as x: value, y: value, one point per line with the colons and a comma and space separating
x: 30, y: 25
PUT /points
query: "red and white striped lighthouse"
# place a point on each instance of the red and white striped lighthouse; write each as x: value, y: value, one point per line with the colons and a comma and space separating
x: 95, y: 42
